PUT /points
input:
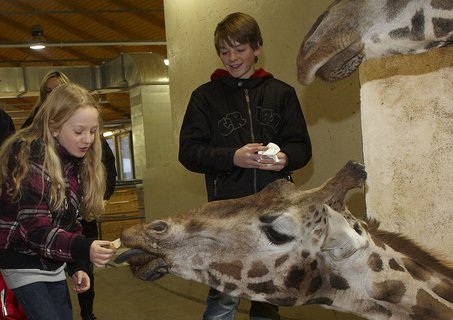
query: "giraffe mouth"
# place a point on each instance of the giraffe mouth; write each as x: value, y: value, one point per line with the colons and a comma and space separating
x: 146, y: 266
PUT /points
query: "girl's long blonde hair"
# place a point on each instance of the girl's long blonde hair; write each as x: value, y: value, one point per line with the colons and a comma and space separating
x: 60, y: 105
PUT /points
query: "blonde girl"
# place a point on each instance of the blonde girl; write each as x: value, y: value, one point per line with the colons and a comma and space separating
x: 51, y: 173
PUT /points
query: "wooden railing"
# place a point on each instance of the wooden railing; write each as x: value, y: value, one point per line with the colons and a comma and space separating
x: 124, y: 209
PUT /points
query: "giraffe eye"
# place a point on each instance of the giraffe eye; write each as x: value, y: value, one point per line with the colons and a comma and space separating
x: 276, y: 237
x: 357, y: 228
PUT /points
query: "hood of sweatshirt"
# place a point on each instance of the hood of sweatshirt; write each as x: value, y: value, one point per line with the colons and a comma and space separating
x: 256, y: 79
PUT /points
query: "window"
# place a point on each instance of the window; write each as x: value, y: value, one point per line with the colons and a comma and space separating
x: 126, y: 161
x: 121, y: 145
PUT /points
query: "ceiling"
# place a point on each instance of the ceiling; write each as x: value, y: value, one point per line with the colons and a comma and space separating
x: 78, y: 33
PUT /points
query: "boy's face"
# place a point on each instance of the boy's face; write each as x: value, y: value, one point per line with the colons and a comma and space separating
x: 239, y: 59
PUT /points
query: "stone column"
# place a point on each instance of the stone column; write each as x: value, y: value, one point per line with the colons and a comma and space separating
x: 407, y: 126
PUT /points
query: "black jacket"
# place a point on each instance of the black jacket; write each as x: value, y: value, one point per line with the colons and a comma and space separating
x: 108, y: 159
x: 6, y: 126
x: 227, y: 113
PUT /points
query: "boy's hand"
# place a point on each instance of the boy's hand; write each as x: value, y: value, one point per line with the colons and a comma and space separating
x: 270, y: 165
x: 247, y: 156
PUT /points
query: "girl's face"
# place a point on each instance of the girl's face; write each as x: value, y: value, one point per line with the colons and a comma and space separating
x: 239, y: 60
x: 77, y: 134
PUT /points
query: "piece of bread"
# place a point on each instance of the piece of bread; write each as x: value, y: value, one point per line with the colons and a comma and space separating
x: 116, y: 243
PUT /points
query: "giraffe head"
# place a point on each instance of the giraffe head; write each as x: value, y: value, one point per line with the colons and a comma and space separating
x: 263, y: 247
x: 351, y: 31
x: 287, y: 247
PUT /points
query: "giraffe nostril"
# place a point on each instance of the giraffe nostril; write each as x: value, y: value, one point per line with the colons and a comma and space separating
x: 158, y: 226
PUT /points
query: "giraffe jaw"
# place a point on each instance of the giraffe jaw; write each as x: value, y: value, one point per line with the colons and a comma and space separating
x: 146, y: 266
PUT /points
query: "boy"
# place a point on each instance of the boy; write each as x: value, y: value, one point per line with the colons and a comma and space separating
x: 228, y: 123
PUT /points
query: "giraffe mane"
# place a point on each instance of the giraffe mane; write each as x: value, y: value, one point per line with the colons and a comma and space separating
x: 411, y: 248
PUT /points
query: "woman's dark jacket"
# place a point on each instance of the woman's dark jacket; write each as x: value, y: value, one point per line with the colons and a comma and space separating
x: 227, y: 113
x: 6, y: 126
x: 31, y: 235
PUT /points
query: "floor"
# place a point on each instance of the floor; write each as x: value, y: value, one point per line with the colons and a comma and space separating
x: 119, y: 295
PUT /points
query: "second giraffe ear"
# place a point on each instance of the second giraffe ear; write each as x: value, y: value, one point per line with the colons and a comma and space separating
x: 341, y: 240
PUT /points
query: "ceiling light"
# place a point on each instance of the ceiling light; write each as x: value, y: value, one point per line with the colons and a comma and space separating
x: 107, y: 134
x: 37, y: 42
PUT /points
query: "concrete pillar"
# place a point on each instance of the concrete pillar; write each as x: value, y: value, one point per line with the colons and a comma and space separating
x: 151, y: 103
x: 407, y: 127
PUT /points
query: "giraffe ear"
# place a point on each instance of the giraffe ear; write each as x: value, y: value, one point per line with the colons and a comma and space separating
x: 341, y: 240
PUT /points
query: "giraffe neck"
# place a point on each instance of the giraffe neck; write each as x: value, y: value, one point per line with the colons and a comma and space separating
x: 381, y: 283
x: 413, y: 28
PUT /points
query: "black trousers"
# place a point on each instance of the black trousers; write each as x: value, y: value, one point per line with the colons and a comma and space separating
x: 86, y: 299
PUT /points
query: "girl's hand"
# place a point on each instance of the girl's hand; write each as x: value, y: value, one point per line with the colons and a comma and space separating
x: 81, y: 281
x: 101, y: 252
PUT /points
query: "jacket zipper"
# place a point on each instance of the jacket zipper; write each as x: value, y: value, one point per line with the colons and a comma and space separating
x: 252, y: 135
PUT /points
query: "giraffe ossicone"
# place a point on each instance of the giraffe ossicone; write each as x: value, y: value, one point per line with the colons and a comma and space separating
x: 351, y: 31
x: 289, y: 247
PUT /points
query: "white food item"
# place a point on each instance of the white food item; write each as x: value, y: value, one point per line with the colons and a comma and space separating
x: 116, y: 243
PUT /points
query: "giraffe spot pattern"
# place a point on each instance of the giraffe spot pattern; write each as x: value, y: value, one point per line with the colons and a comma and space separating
x: 281, y: 260
x: 428, y: 307
x: 393, y: 8
x: 229, y: 287
x: 314, y: 265
x: 320, y: 300
x: 375, y: 308
x: 194, y: 226
x: 257, y: 270
x: 418, y: 26
x: 213, y: 280
x: 230, y: 269
x: 442, y: 27
x: 294, y: 278
x: 338, y: 282
x: 444, y: 290
x: 378, y: 242
x: 315, y: 285
x: 433, y: 44
x: 442, y: 4
x: 395, y: 265
x: 389, y: 290
x: 415, y: 33
x: 197, y: 260
x: 266, y: 287
x: 416, y: 270
x: 375, y: 262
x: 288, y: 301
